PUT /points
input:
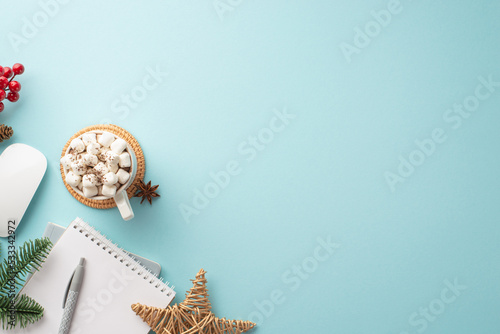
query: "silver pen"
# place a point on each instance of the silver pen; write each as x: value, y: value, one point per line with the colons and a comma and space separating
x: 71, y: 296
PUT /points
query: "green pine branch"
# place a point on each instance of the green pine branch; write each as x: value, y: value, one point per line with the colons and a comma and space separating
x: 28, y: 258
x: 14, y: 309
x: 19, y: 311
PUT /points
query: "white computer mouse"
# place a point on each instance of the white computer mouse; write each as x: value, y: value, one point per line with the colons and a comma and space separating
x: 21, y: 170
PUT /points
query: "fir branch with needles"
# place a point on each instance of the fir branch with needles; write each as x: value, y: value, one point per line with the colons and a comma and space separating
x: 18, y: 309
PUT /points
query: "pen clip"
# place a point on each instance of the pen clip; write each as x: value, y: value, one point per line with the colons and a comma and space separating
x: 67, y: 289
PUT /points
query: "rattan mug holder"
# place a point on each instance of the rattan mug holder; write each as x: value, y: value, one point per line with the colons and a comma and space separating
x: 133, y: 143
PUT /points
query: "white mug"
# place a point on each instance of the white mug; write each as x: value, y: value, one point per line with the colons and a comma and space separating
x: 121, y: 198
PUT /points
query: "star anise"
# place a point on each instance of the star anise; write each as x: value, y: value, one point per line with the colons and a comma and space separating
x: 146, y: 191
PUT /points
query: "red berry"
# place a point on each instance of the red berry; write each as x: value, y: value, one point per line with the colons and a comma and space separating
x: 4, y: 82
x: 13, y: 97
x: 1, y: 106
x: 18, y: 69
x: 1, y: 70
x: 2, y: 95
x: 7, y: 72
x: 14, y: 86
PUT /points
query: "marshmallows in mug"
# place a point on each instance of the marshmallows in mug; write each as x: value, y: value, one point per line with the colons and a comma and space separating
x: 97, y: 164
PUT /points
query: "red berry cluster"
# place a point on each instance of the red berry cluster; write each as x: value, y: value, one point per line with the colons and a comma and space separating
x: 7, y: 83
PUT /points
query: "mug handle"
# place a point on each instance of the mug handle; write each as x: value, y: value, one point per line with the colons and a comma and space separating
x: 123, y: 204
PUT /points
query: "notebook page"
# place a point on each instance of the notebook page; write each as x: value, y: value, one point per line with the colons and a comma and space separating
x: 112, y: 282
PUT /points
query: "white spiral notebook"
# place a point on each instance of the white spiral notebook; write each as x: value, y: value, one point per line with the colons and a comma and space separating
x: 113, y: 281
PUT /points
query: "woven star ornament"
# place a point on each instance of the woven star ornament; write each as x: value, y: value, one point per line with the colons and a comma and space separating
x: 192, y: 316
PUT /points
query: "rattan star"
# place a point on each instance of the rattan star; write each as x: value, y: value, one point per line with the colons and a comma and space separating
x: 146, y: 191
x: 192, y: 316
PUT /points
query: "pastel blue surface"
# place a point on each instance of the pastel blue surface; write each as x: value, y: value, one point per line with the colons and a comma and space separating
x: 415, y: 249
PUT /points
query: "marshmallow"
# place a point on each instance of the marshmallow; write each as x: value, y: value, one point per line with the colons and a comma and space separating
x: 101, y: 169
x: 67, y: 160
x: 102, y: 153
x: 93, y: 148
x: 90, y: 191
x: 80, y: 186
x: 90, y: 180
x: 78, y: 168
x: 71, y: 157
x: 77, y: 145
x: 112, y: 168
x: 125, y: 160
x: 108, y: 190
x: 90, y: 160
x: 106, y: 139
x: 90, y: 170
x: 112, y: 158
x: 109, y: 179
x: 73, y: 179
x: 89, y: 138
x: 99, y: 190
x: 123, y: 176
x: 118, y: 146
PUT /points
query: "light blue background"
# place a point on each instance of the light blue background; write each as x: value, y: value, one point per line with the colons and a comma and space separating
x: 322, y: 176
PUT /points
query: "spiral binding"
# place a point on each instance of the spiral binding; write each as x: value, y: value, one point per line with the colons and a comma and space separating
x: 119, y: 254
